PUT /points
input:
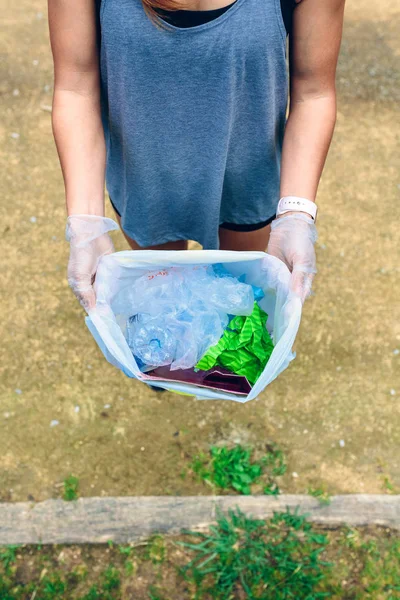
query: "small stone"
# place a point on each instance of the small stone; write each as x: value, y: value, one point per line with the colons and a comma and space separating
x: 16, y: 92
x: 341, y: 253
x: 46, y: 88
x: 142, y: 449
x: 18, y: 391
x: 341, y: 443
x: 54, y: 238
x: 305, y: 431
x: 14, y: 135
x: 54, y: 423
x: 89, y: 366
x: 107, y: 406
x: 35, y: 62
x: 322, y: 246
x: 6, y: 415
x: 392, y: 392
x: 396, y: 352
x: 77, y: 409
x: 46, y: 107
x: 39, y: 15
x: 33, y: 219
x: 295, y: 475
x: 338, y: 368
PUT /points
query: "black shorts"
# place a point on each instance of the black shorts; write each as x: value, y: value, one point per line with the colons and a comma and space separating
x: 231, y: 226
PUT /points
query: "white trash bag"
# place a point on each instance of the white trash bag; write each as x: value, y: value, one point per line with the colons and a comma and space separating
x: 119, y: 273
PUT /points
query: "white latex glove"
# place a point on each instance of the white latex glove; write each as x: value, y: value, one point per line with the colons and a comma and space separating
x: 292, y: 240
x: 89, y: 241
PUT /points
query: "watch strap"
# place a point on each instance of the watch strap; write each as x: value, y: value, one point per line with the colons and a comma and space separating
x: 289, y: 203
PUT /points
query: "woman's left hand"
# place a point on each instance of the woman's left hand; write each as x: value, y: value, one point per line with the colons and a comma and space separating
x: 292, y: 240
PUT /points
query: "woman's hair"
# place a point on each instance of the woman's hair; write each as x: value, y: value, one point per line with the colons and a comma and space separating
x: 150, y: 6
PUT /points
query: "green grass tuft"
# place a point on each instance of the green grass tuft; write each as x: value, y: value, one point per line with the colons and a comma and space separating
x: 71, y: 485
x: 274, y: 560
x: 233, y: 468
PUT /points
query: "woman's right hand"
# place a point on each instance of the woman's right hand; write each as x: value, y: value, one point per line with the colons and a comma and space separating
x: 89, y: 241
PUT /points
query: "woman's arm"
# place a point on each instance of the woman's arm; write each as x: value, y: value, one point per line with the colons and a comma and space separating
x: 313, y: 54
x: 76, y: 117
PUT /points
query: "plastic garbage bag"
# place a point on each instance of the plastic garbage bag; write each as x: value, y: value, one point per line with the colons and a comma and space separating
x: 118, y: 272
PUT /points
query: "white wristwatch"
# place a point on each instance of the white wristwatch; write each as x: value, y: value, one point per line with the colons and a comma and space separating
x: 289, y: 203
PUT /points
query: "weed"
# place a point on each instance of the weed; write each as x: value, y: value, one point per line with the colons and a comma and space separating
x: 272, y: 560
x: 130, y: 568
x: 93, y: 594
x: 155, y: 549
x: 126, y: 550
x: 52, y: 587
x: 8, y: 556
x: 71, y: 485
x: 321, y: 494
x: 232, y: 468
x: 154, y: 594
x: 112, y: 580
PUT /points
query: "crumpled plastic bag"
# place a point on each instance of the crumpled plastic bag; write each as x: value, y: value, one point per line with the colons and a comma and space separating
x: 176, y: 314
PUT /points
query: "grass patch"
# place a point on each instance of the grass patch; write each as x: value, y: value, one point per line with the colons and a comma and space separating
x: 71, y: 486
x: 234, y: 469
x: 275, y: 560
x: 238, y: 558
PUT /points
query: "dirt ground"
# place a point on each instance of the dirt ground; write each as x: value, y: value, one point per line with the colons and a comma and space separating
x: 335, y: 412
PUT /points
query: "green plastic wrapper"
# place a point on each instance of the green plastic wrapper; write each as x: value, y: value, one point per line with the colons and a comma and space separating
x: 244, y: 348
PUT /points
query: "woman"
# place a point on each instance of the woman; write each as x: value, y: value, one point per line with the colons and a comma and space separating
x: 181, y: 109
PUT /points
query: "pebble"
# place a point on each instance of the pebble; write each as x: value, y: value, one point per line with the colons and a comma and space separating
x: 46, y: 88
x: 33, y: 219
x: 107, y: 406
x: 89, y: 366
x: 54, y: 238
x: 305, y: 431
x: 396, y: 352
x: 39, y: 15
x: 18, y: 391
x: 338, y: 368
x: 392, y: 392
x: 14, y: 135
x: 54, y: 422
x: 295, y: 475
x: 77, y: 409
x: 142, y: 448
x: 341, y: 443
x: 342, y: 253
x: 6, y: 415
x: 35, y: 62
x: 16, y: 92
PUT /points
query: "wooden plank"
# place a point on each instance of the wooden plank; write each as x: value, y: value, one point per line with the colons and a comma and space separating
x: 128, y: 519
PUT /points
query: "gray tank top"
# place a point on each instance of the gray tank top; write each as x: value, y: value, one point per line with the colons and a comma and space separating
x: 193, y: 119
